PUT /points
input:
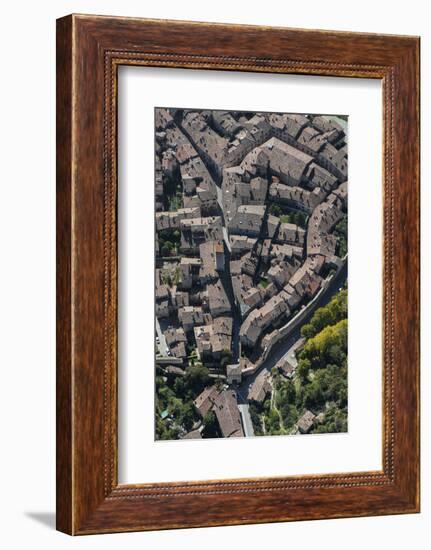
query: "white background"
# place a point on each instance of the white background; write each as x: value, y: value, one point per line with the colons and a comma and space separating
x: 27, y: 407
x: 141, y: 458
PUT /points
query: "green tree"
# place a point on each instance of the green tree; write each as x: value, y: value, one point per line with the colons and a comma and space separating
x: 166, y: 248
x: 196, y: 378
x: 273, y: 422
x: 255, y: 411
x: 334, y: 311
x: 275, y: 210
x: 341, y: 232
x: 298, y: 218
x: 286, y: 393
x: 289, y: 414
x: 226, y: 357
x: 303, y: 369
x: 211, y: 429
x: 180, y: 387
x: 313, y: 396
x: 335, y: 420
x: 187, y: 416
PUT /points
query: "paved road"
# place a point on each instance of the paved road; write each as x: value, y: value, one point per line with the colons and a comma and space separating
x: 162, y: 340
x: 246, y: 420
x: 227, y: 282
x: 226, y: 239
x: 220, y: 197
x: 220, y: 203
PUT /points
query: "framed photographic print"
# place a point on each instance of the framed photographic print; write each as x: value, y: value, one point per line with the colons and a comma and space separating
x: 237, y: 274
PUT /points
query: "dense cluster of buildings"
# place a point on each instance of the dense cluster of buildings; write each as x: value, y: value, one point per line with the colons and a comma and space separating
x: 235, y: 269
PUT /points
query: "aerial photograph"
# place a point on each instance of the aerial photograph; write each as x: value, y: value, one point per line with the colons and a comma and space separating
x: 250, y: 274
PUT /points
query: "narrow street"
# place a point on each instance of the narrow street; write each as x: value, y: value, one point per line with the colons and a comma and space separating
x: 162, y: 340
x: 227, y: 282
x: 246, y: 420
